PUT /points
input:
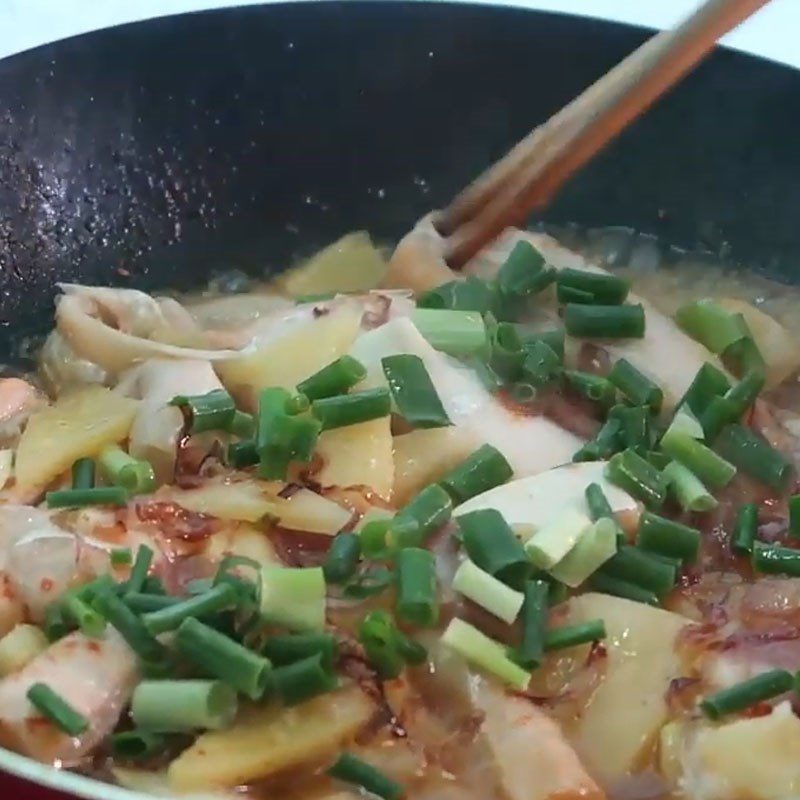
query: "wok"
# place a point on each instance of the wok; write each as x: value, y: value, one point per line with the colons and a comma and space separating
x: 153, y: 154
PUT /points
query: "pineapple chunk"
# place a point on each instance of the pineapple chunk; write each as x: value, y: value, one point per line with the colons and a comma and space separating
x: 78, y: 425
x: 241, y: 500
x: 358, y: 455
x: 268, y: 740
x: 308, y: 511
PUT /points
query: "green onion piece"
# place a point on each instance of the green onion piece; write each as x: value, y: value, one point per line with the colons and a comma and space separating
x: 553, y: 541
x: 688, y: 489
x: 242, y: 454
x: 593, y: 387
x: 595, y: 546
x: 774, y: 560
x: 54, y: 708
x: 141, y: 566
x: 743, y: 357
x: 541, y: 365
x: 350, y: 769
x: 484, y: 653
x: 97, y: 496
x: 709, y: 383
x: 416, y: 587
x: 130, y: 627
x: 488, y: 592
x: 710, y: 468
x: 83, y: 615
x: 131, y: 474
x: 381, y: 642
x: 747, y: 693
x: 143, y: 603
x: 216, y: 654
x: 337, y: 377
x: 520, y: 274
x: 598, y: 504
x: 571, y: 294
x: 522, y: 393
x: 710, y: 324
x: 471, y: 294
x: 489, y: 379
x: 636, y: 429
x: 121, y: 557
x: 350, y: 409
x: 557, y: 593
x: 794, y: 516
x: 743, y: 394
x: 482, y: 470
x: 413, y: 392
x: 369, y: 582
x: 745, y: 529
x: 607, y: 442
x: 281, y: 436
x: 606, y: 289
x: 639, y: 567
x: 458, y: 333
x: 638, y: 477
x: 301, y: 680
x: 638, y: 388
x: 242, y: 425
x: 290, y: 647
x: 55, y: 626
x: 492, y: 545
x: 669, y: 538
x: 83, y: 474
x: 572, y: 635
x: 221, y: 597
x: 153, y: 585
x: 534, y: 621
x: 608, y: 584
x: 207, y: 412
x: 272, y: 404
x: 754, y: 456
x: 137, y: 745
x: 297, y: 404
x: 686, y: 423
x: 420, y: 517
x: 342, y: 559
x: 507, y: 353
x: 604, y: 322
x: 293, y: 597
x: 183, y: 706
x: 314, y: 297
x: 373, y: 538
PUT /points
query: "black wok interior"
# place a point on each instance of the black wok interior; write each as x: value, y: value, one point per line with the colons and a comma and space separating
x: 152, y: 154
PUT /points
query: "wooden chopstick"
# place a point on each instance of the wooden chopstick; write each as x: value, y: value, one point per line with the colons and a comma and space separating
x: 526, y: 179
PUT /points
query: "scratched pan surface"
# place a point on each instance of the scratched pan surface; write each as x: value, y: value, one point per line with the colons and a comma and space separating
x: 153, y: 154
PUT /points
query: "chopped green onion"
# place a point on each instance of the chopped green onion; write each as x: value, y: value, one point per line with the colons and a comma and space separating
x: 604, y: 322
x: 754, y: 456
x: 708, y: 383
x: 593, y: 387
x: 639, y: 567
x: 342, y: 559
x: 243, y: 454
x: 747, y: 693
x: 522, y: 393
x: 598, y: 504
x: 420, y: 517
x: 351, y: 409
x: 541, y: 365
x: 54, y: 708
x: 521, y: 273
x: 534, y: 621
x: 552, y: 337
x: 350, y: 769
x: 794, y: 516
x: 416, y: 587
x: 130, y: 627
x: 471, y: 294
x: 207, y: 412
x: 381, y: 642
x: 133, y: 475
x: 638, y: 388
x: 572, y: 294
x: 688, y: 489
x: 507, y: 353
x: 596, y: 545
x: 314, y: 297
x: 216, y: 654
x: 183, y: 706
x: 489, y: 379
x: 413, y: 392
x: 288, y: 648
x: 55, y: 626
x: 604, y: 445
x: 488, y: 592
x: 743, y: 394
x: 121, y: 557
x: 141, y: 566
x: 709, y: 467
x: 484, y: 653
x: 774, y: 560
x: 83, y: 615
x: 707, y: 322
x: 220, y: 598
x: 573, y: 635
x: 142, y: 603
x: 667, y: 537
x: 83, y: 474
x: 137, y: 745
x: 373, y: 535
x: 242, y: 425
x: 554, y: 540
x: 97, y: 496
x: 638, y: 477
x: 458, y: 333
x: 607, y: 289
x: 336, y: 378
x: 482, y: 470
x: 493, y: 546
x: 301, y: 680
x: 744, y: 356
x: 636, y: 428
x: 608, y: 584
x: 369, y: 583
x: 686, y: 423
x: 745, y: 529
x: 293, y: 597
